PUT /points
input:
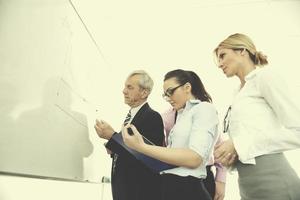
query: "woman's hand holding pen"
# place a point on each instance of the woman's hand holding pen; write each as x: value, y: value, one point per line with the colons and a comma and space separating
x: 134, y: 140
x: 225, y: 153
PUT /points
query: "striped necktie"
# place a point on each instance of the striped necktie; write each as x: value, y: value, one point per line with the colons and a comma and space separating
x: 127, y: 119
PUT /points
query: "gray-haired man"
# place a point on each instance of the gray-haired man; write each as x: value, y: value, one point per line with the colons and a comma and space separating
x: 130, y: 179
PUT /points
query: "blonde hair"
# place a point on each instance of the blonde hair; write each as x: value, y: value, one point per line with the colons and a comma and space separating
x: 241, y: 41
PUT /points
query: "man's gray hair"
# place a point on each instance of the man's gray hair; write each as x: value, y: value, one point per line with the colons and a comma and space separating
x: 145, y: 81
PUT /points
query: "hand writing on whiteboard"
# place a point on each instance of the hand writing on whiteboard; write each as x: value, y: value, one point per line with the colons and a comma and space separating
x: 103, y: 129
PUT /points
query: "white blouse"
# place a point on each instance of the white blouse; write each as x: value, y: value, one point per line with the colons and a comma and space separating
x: 196, y: 128
x: 264, y: 117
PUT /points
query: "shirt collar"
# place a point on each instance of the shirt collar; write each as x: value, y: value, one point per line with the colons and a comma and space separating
x: 252, y: 74
x: 134, y: 110
x: 190, y: 103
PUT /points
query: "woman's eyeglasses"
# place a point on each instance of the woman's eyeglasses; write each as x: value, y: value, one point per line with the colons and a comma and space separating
x: 170, y: 91
x: 226, y: 120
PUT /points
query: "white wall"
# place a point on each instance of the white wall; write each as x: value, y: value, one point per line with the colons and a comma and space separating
x: 156, y: 36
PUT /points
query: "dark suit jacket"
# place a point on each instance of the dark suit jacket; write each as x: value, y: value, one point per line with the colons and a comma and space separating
x: 131, y: 179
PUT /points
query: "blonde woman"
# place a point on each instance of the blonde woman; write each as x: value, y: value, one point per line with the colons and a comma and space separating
x: 259, y: 111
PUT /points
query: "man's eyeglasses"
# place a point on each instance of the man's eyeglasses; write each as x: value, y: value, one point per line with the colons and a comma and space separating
x: 226, y: 120
x: 170, y: 91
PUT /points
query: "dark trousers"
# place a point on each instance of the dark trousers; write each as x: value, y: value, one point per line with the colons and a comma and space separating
x: 209, y: 182
x: 179, y: 188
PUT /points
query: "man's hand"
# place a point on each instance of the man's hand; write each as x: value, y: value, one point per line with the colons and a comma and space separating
x: 220, y: 191
x: 103, y: 129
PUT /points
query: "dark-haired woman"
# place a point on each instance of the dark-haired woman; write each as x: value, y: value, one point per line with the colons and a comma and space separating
x: 190, y: 141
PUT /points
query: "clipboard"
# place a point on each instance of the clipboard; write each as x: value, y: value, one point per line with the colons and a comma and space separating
x: 117, y: 144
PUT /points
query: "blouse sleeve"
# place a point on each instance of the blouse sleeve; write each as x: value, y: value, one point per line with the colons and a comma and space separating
x: 275, y: 91
x: 204, y: 130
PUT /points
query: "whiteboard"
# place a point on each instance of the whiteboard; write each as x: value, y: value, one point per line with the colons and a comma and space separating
x: 47, y: 104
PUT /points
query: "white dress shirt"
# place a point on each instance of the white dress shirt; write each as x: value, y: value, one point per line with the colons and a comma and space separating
x: 264, y: 117
x: 135, y: 110
x: 196, y: 128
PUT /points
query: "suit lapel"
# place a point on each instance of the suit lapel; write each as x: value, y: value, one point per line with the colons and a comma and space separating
x: 138, y: 118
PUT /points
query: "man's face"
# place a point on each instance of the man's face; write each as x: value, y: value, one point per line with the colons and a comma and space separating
x: 133, y: 94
